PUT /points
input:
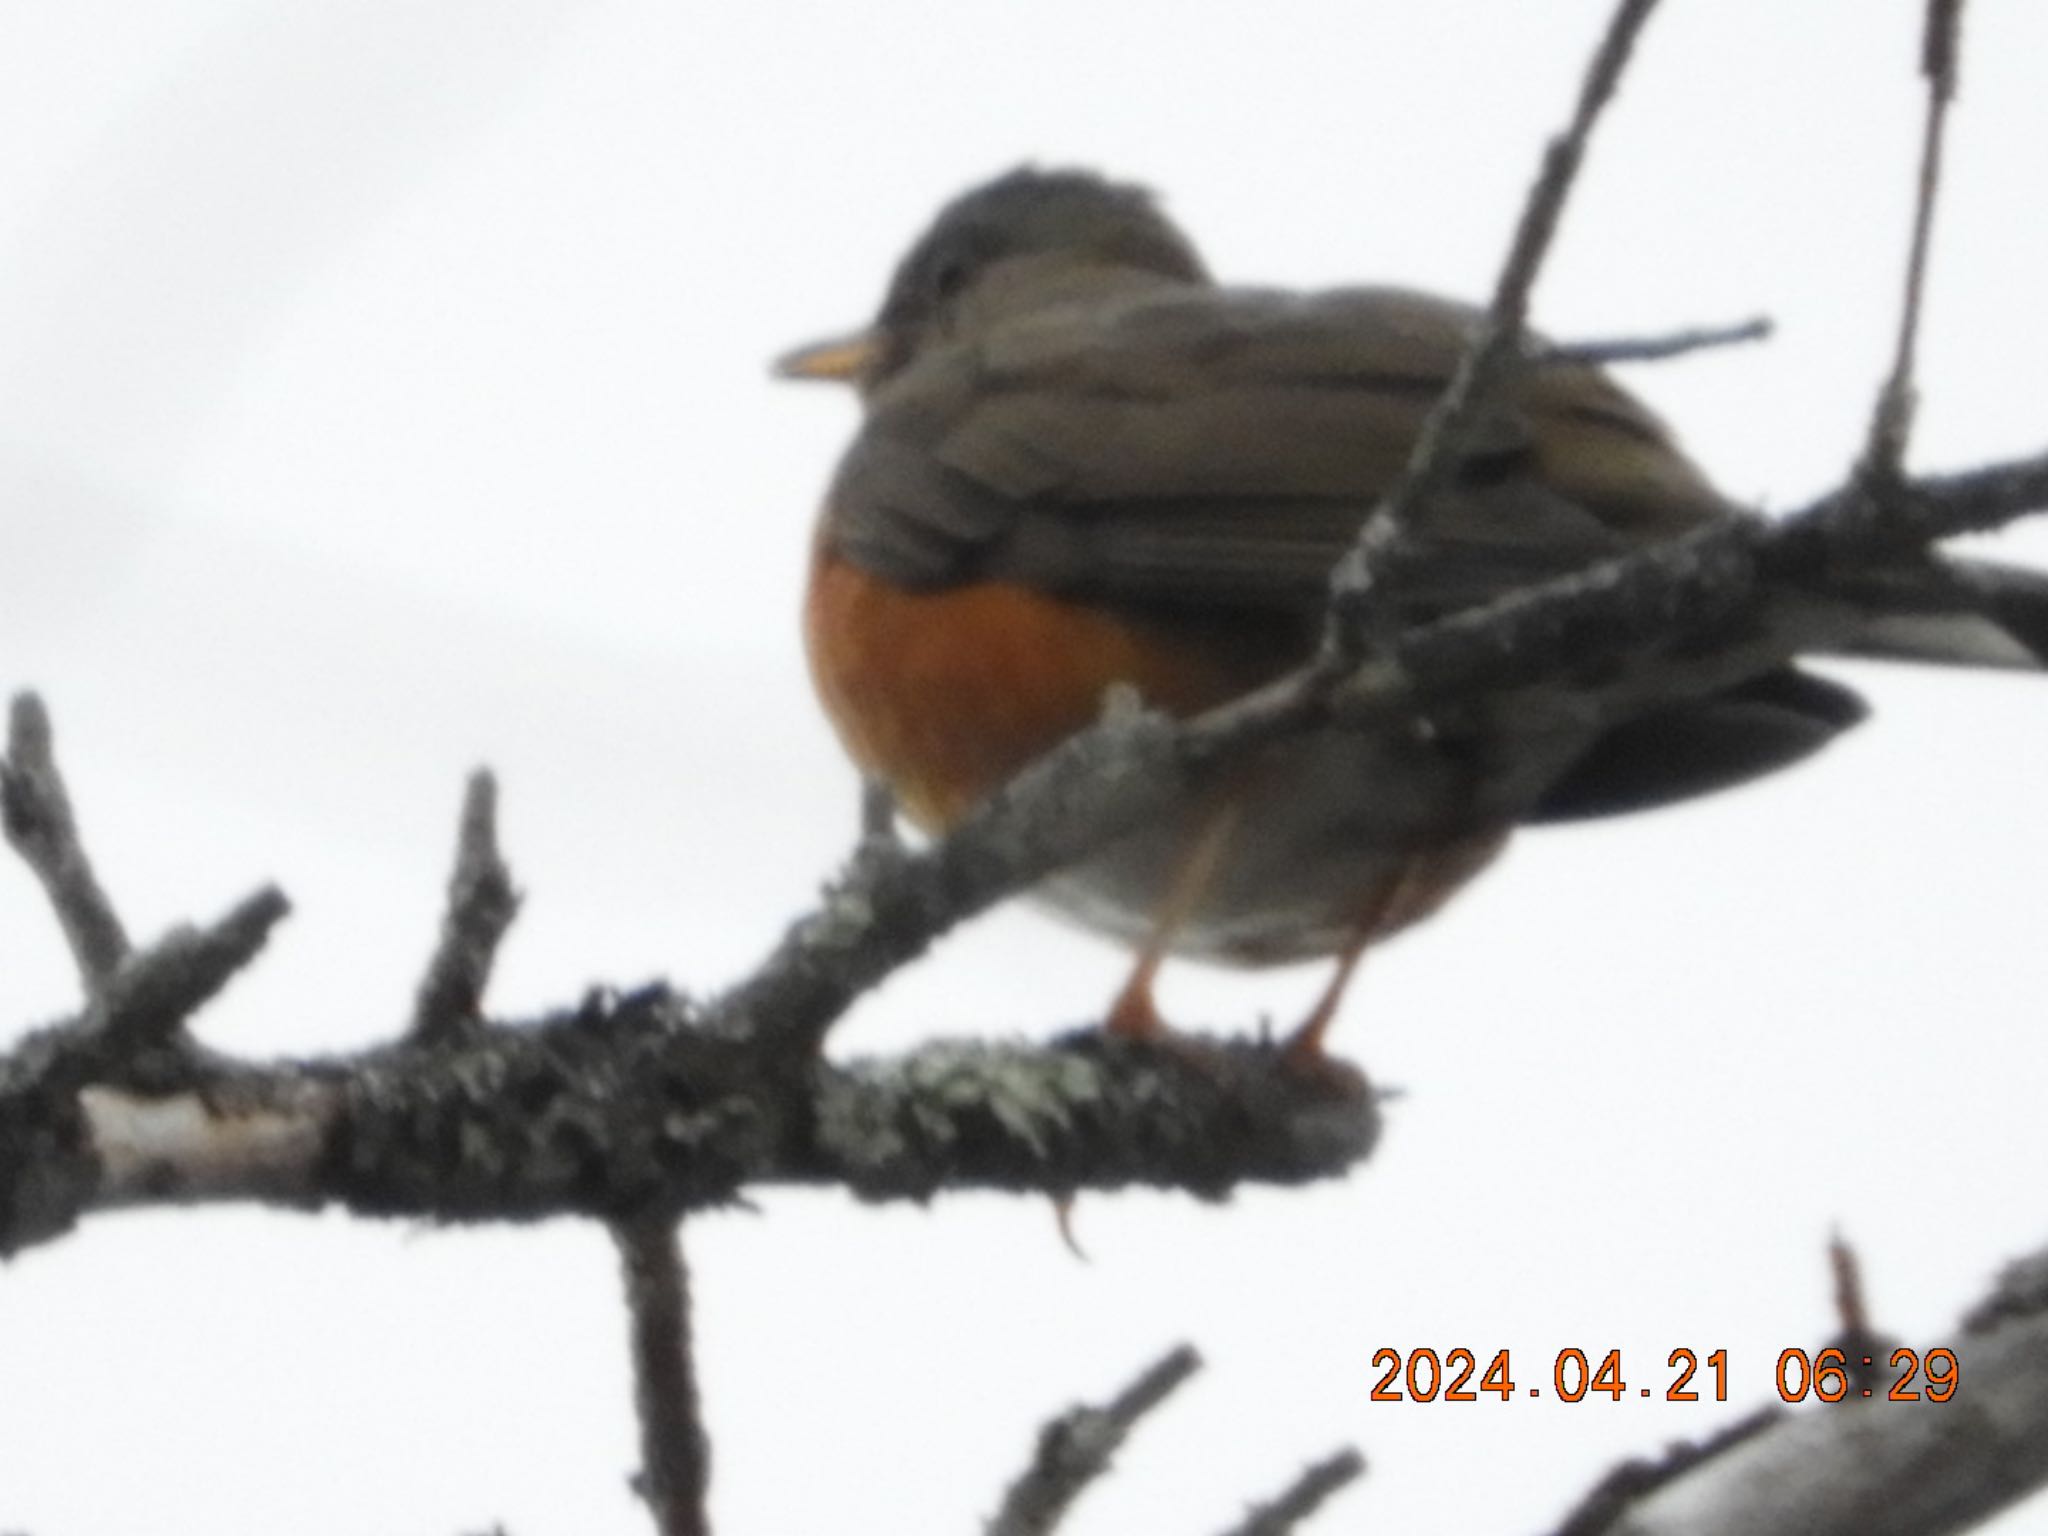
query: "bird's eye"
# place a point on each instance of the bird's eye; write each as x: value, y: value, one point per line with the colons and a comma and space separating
x: 949, y: 277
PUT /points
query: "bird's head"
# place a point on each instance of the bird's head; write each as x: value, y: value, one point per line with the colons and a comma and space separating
x: 1026, y: 237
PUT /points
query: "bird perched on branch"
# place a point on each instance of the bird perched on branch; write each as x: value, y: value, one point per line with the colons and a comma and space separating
x: 1083, y: 463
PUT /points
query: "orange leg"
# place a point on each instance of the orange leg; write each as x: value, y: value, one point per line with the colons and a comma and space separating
x: 1306, y: 1043
x: 1134, y: 1014
x: 1388, y: 910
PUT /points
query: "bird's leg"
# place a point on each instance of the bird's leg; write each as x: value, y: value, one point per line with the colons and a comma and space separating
x: 1133, y: 1014
x: 1306, y: 1043
x: 1386, y: 910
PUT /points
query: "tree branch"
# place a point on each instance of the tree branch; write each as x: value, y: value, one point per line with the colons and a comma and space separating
x: 481, y: 906
x: 1648, y: 349
x: 417, y: 1130
x: 1892, y: 422
x: 1876, y: 1468
x: 675, y: 1452
x: 1316, y: 1485
x: 148, y: 1000
x: 1493, y: 351
x: 624, y: 1106
x: 1869, y: 1466
x: 1077, y: 1447
x: 35, y: 809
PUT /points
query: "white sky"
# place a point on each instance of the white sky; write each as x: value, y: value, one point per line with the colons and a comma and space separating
x: 382, y: 391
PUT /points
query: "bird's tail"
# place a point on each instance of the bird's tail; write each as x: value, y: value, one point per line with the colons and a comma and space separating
x: 1954, y: 612
x: 1959, y: 613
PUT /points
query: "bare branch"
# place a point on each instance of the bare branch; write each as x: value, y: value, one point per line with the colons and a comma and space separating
x: 1609, y: 1500
x: 1869, y: 1464
x: 1649, y: 349
x: 2021, y: 1291
x: 1076, y: 1448
x: 1877, y: 1468
x: 1941, y: 45
x: 36, y: 811
x: 1303, y: 1497
x: 481, y: 906
x: 1892, y: 422
x: 1494, y: 348
x: 158, y: 989
x: 675, y: 1452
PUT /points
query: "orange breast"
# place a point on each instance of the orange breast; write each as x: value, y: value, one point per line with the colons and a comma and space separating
x: 945, y: 694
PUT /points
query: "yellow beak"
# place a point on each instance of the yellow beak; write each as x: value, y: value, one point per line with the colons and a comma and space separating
x: 842, y: 360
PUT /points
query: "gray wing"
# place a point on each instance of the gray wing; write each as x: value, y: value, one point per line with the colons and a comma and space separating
x: 1222, y: 447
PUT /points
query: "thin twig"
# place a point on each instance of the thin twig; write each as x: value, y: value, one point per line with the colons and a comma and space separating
x: 1648, y: 349
x: 1850, y: 1311
x: 1892, y: 422
x: 1495, y: 348
x: 675, y: 1452
x: 481, y: 906
x: 1866, y: 1352
x: 36, y: 811
x: 1303, y: 1497
x: 157, y: 989
x: 1075, y: 1448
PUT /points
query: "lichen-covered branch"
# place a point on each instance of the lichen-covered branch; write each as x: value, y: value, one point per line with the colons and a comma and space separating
x: 622, y: 1107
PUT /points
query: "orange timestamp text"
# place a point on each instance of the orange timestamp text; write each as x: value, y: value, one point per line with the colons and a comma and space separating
x: 1455, y: 1376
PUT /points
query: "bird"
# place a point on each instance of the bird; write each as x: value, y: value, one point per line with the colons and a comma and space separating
x: 1084, y: 466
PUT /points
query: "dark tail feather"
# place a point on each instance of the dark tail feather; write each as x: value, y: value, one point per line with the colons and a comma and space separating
x: 1958, y: 613
x: 1703, y: 745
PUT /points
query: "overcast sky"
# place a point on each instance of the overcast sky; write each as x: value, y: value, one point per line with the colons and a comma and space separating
x: 383, y: 391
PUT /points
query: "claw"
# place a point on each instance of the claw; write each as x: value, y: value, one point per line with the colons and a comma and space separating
x: 1304, y: 1048
x: 1063, y: 1213
x: 1134, y: 1015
